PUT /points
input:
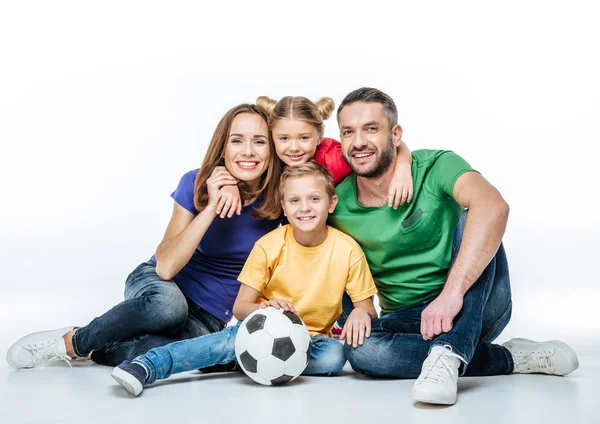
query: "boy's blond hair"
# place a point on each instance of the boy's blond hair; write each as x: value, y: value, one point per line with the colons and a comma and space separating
x: 309, y: 168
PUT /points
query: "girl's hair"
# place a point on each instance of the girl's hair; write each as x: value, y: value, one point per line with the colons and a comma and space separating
x: 309, y: 168
x: 269, y: 207
x: 298, y: 108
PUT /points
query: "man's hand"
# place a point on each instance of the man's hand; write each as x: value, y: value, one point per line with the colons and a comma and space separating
x: 278, y: 304
x: 438, y: 316
x: 357, y: 327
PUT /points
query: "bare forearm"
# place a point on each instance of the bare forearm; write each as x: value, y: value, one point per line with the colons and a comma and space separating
x: 241, y: 309
x: 482, y: 235
x: 174, y: 253
x: 404, y: 158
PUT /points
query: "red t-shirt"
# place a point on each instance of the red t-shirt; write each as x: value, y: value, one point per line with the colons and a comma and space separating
x: 329, y: 154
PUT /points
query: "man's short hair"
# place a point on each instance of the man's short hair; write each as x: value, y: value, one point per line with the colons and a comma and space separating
x: 372, y: 95
x: 309, y: 168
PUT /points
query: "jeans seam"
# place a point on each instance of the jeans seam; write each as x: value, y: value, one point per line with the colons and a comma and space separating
x: 74, y: 343
x: 508, y: 308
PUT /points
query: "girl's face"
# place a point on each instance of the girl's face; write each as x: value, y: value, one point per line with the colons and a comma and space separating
x: 295, y: 141
x: 247, y: 152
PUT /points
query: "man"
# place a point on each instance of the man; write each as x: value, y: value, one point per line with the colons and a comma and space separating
x: 441, y: 271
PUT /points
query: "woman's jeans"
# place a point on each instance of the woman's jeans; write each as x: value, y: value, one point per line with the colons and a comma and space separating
x: 396, y: 347
x: 154, y: 313
x: 326, y: 357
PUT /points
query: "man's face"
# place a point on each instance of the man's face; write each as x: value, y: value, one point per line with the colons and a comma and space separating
x: 368, y: 145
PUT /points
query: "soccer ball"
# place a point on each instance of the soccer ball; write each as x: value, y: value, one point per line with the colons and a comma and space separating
x: 272, y: 346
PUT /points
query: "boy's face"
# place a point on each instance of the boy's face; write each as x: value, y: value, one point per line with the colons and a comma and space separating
x: 306, y: 203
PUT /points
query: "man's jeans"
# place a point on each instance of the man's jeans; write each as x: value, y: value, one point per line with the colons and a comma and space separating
x: 396, y: 347
x: 154, y: 313
x: 326, y: 358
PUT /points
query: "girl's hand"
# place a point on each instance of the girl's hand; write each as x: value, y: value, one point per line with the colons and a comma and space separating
x: 278, y: 304
x: 229, y: 201
x: 401, y: 187
x: 357, y: 327
x: 219, y: 178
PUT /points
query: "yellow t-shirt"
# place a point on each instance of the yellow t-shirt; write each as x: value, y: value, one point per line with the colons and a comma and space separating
x: 313, y: 279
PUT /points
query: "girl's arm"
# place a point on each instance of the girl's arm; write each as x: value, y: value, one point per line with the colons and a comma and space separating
x: 401, y: 188
x: 185, y: 231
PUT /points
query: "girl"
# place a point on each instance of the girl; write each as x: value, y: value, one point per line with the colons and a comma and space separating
x: 188, y: 288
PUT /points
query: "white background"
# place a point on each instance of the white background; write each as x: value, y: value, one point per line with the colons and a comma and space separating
x: 104, y: 106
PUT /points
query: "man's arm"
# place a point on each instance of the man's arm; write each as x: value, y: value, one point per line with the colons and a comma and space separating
x: 486, y: 222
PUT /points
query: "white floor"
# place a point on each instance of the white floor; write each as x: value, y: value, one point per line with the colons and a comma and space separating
x: 87, y: 394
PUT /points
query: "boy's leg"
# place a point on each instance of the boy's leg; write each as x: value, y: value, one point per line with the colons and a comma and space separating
x: 198, y: 323
x: 188, y: 355
x: 326, y: 357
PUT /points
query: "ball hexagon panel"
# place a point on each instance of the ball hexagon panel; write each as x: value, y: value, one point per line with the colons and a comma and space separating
x: 296, y: 364
x: 259, y: 344
x: 300, y: 337
x: 278, y: 326
x: 270, y: 368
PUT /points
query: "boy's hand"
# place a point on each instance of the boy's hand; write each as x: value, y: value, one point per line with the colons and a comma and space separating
x: 278, y: 304
x: 401, y: 187
x: 357, y: 327
x: 229, y: 201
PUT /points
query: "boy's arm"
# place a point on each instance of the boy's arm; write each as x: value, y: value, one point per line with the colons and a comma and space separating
x: 245, y: 302
x: 401, y: 187
x: 358, y: 324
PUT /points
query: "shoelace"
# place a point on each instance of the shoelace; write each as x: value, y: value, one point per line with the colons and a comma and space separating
x: 47, y: 351
x: 439, y: 365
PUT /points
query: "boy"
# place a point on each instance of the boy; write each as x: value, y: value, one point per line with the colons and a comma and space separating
x: 303, y: 267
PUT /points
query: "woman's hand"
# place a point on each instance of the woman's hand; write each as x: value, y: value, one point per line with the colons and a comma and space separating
x: 219, y: 178
x: 229, y: 201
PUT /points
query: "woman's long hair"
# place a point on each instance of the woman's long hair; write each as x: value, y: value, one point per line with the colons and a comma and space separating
x: 268, y: 187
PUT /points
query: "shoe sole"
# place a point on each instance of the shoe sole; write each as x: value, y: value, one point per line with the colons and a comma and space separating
x: 570, y: 357
x: 429, y: 398
x: 129, y: 382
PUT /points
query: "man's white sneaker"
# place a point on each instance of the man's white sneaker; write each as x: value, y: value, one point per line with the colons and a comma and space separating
x: 38, y: 348
x: 439, y: 377
x: 551, y: 357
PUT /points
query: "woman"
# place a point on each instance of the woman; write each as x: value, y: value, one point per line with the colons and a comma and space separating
x: 188, y: 288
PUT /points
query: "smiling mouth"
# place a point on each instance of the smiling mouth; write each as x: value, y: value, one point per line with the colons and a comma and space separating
x: 305, y: 218
x: 295, y: 157
x: 247, y: 164
x: 362, y: 155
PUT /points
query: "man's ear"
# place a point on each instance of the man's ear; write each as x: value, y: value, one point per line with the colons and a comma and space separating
x: 333, y: 203
x: 397, y: 135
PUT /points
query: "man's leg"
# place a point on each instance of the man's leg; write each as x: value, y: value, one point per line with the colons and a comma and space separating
x: 326, y: 357
x: 177, y: 357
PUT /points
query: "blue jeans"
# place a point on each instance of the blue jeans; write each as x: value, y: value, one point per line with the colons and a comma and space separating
x: 154, y: 313
x: 397, y: 349
x: 326, y: 358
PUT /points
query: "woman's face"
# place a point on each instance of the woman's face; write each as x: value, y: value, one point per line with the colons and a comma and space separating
x: 247, y: 152
x: 295, y: 141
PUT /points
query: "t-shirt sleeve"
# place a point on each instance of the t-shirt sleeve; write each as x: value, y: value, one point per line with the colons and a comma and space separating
x: 329, y: 154
x: 360, y: 284
x: 444, y: 172
x: 184, y: 193
x: 256, y: 272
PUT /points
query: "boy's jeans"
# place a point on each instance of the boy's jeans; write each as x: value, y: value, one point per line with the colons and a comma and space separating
x: 396, y: 347
x: 326, y: 358
x: 154, y: 313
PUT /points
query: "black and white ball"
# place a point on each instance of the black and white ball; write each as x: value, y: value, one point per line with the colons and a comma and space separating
x: 272, y: 346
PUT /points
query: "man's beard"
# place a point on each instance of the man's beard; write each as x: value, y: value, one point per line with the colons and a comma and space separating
x: 383, y: 160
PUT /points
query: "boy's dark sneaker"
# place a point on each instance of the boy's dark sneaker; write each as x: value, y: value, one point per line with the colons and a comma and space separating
x: 132, y: 376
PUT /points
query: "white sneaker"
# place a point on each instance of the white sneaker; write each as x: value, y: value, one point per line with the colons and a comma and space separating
x: 551, y: 357
x: 439, y: 377
x: 38, y: 348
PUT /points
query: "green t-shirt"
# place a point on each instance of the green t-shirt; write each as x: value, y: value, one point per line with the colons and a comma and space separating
x: 408, y: 249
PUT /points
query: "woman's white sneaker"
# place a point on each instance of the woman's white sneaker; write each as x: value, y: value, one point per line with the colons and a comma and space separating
x: 551, y: 357
x: 38, y: 348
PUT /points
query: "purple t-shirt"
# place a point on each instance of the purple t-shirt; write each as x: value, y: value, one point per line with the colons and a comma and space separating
x: 209, y: 279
